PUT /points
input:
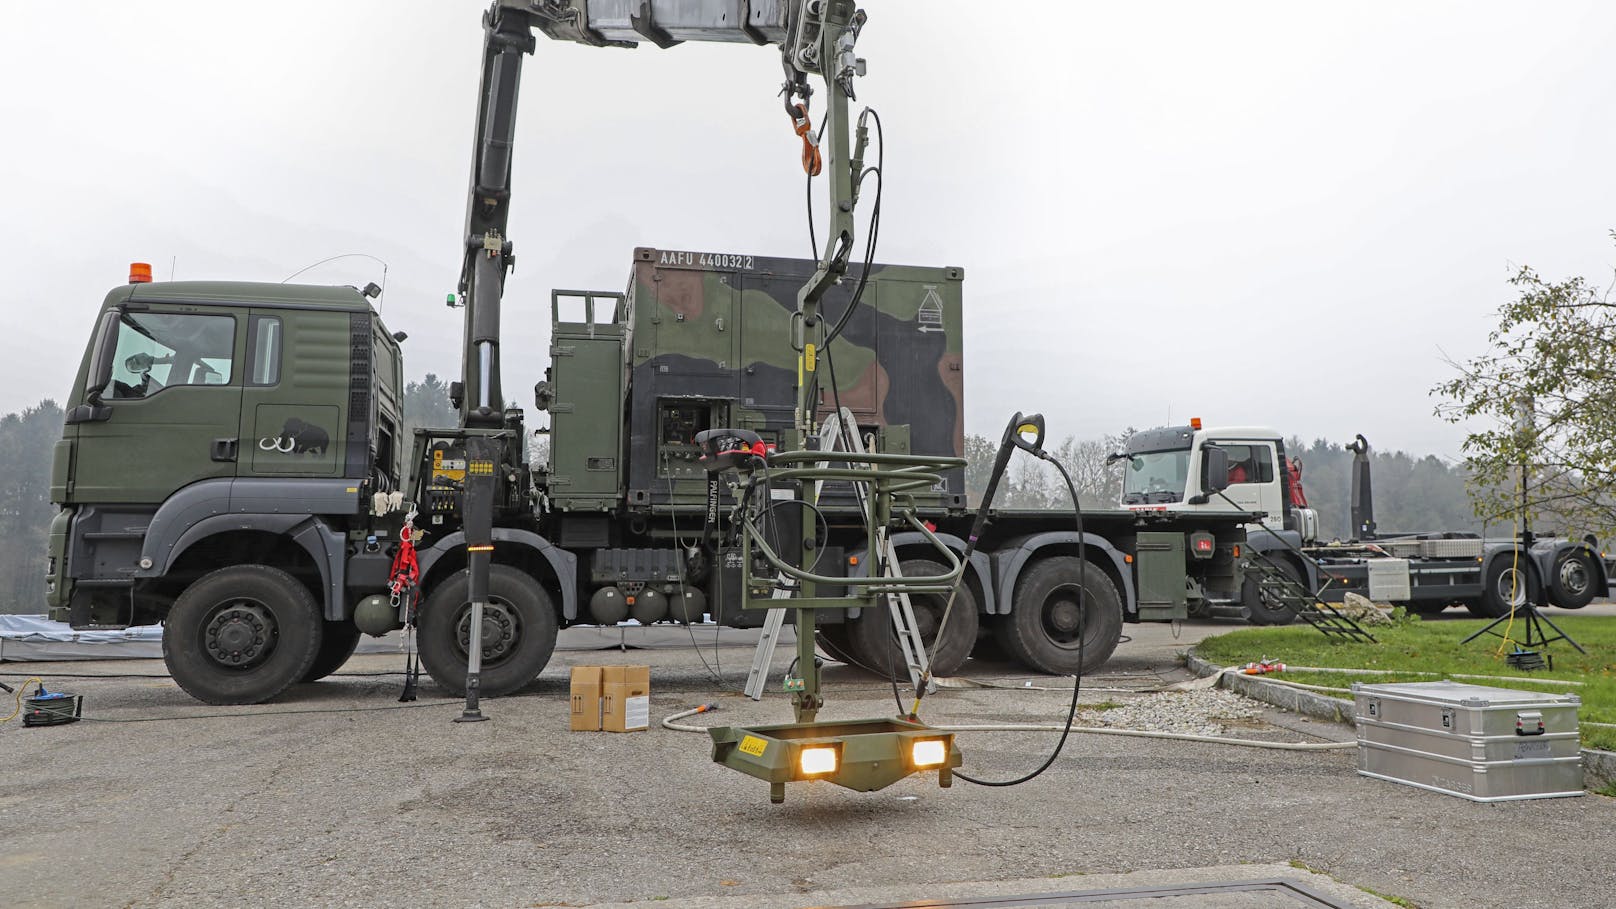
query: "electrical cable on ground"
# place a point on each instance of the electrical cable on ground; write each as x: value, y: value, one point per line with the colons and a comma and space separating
x: 1152, y: 734
x: 1445, y: 675
x: 669, y: 722
x: 18, y: 693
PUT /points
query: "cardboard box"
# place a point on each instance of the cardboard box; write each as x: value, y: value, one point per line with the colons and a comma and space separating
x: 625, y: 698
x: 586, y: 700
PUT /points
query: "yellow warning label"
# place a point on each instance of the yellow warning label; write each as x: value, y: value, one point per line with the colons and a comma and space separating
x: 808, y: 357
x: 753, y: 745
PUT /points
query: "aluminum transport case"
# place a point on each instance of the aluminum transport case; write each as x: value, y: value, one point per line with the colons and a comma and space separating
x: 1479, y: 743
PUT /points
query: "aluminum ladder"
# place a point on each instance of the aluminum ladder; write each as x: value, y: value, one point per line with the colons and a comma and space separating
x: 831, y: 438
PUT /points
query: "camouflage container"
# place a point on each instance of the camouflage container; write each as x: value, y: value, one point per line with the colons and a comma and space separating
x: 706, y: 345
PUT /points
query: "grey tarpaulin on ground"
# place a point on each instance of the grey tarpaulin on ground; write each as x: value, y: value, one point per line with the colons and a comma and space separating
x: 34, y: 638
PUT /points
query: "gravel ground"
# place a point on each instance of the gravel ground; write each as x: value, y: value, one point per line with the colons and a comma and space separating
x: 391, y: 806
x: 1206, y: 712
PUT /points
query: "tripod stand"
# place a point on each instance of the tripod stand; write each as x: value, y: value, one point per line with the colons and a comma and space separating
x: 1525, y: 655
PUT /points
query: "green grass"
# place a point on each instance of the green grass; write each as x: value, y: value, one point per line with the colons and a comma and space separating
x: 1429, y: 647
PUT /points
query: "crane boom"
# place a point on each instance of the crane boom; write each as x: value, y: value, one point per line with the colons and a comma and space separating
x: 797, y: 26
x: 815, y: 37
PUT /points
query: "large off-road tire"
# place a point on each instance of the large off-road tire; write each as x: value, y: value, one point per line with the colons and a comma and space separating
x: 1258, y: 610
x: 337, y: 644
x: 1047, y: 631
x: 519, y: 631
x: 832, y: 641
x: 989, y: 649
x: 1505, y: 577
x: 873, y: 642
x: 241, y: 634
x: 1575, y: 579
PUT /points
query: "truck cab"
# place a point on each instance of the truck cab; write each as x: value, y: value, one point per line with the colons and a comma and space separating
x: 213, y: 424
x: 1168, y: 470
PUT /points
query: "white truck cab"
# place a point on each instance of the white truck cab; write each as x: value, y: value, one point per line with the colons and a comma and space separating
x: 1172, y: 469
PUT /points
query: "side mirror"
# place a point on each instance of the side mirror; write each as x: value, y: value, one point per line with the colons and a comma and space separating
x: 1214, y: 469
x: 99, y: 375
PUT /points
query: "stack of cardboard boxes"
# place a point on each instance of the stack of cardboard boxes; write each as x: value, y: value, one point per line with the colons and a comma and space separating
x: 611, y: 698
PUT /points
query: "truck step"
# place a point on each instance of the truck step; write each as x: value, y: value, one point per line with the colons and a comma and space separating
x: 1278, y: 587
x: 137, y: 534
x: 104, y: 582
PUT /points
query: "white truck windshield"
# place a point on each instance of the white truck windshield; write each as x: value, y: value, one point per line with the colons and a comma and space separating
x: 1155, y: 477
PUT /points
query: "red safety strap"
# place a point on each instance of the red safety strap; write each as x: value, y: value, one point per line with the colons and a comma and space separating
x: 406, y: 570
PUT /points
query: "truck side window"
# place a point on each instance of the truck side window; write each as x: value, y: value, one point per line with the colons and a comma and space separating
x: 158, y: 350
x: 264, y: 350
x: 1250, y: 463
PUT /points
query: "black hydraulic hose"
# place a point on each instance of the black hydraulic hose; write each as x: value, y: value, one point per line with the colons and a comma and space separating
x: 1077, y: 677
x: 875, y: 225
x: 1008, y: 443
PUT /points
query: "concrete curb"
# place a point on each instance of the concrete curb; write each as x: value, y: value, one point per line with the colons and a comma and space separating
x: 1598, y: 766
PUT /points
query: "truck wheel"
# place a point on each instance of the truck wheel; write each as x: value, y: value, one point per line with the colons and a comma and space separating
x: 1505, y: 579
x: 519, y: 631
x: 1045, y: 625
x: 989, y: 649
x: 337, y: 644
x: 1572, y: 586
x: 1258, y: 610
x: 874, y: 644
x: 832, y: 639
x: 241, y: 634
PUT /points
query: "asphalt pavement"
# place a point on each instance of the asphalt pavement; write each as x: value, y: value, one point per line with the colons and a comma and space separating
x: 357, y: 800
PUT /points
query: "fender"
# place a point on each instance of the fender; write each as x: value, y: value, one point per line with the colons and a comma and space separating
x: 1011, y: 557
x: 981, y: 566
x: 1532, y: 558
x: 562, y: 562
x: 290, y: 508
x: 1267, y: 541
x: 1546, y: 556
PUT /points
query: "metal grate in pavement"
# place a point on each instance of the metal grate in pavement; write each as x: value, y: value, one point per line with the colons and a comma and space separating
x: 1270, y: 893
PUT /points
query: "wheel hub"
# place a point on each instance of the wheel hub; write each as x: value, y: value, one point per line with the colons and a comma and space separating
x: 501, y: 631
x: 927, y: 618
x: 240, y: 635
x: 1574, y: 577
x: 1512, y: 587
x: 1063, y: 616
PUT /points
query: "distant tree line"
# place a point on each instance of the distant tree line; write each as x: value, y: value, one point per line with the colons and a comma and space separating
x: 26, y: 441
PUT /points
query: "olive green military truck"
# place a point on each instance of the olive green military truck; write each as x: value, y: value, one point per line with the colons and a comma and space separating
x: 232, y: 464
x: 226, y: 443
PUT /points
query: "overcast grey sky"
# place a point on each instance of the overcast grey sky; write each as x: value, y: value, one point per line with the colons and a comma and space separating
x: 1272, y: 213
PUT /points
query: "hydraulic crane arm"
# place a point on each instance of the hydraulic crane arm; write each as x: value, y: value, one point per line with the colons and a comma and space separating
x: 809, y: 33
x: 815, y: 36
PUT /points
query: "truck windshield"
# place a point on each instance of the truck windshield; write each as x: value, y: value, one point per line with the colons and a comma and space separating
x: 1155, y: 477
